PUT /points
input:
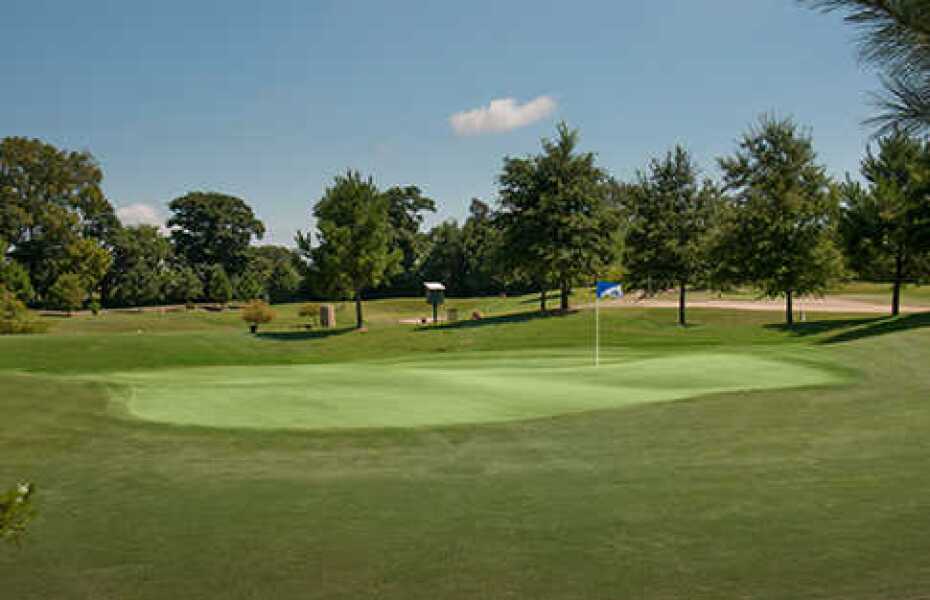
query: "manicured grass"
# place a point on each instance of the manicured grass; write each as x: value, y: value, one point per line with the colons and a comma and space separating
x: 443, y: 391
x: 812, y: 492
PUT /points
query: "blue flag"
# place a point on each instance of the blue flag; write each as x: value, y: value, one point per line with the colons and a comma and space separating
x: 609, y: 289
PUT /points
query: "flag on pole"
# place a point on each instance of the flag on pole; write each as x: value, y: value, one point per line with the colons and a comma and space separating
x: 603, y: 289
x: 609, y: 289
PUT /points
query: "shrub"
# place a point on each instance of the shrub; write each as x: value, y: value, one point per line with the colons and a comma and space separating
x: 67, y: 293
x: 257, y: 312
x: 310, y: 312
x: 15, y: 317
x: 94, y: 307
x: 16, y: 511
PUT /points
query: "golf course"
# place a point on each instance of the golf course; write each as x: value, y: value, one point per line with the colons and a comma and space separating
x: 175, y: 455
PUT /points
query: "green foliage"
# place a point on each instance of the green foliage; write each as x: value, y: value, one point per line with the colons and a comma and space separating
x: 276, y: 270
x: 558, y: 226
x: 15, y: 317
x: 406, y: 208
x: 895, y: 37
x: 778, y: 232
x: 140, y: 273
x: 15, y: 278
x: 257, y: 312
x: 886, y: 227
x: 51, y: 206
x: 219, y: 288
x: 184, y: 285
x: 446, y: 260
x: 355, y: 236
x: 209, y: 228
x: 68, y: 293
x: 16, y: 511
x: 668, y: 214
x: 248, y: 286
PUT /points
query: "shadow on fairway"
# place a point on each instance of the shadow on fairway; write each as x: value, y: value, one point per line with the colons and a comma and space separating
x: 523, y: 317
x: 882, y: 327
x: 301, y: 336
x: 809, y: 328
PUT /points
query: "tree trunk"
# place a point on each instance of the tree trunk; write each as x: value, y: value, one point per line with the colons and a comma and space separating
x: 789, y: 308
x: 542, y: 298
x: 563, y: 296
x: 896, y: 294
x: 358, y: 310
x: 681, y: 304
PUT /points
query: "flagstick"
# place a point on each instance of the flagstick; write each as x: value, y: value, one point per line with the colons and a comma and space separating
x: 597, y: 330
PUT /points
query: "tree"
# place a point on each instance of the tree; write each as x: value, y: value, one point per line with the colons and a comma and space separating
x: 50, y: 199
x: 219, y: 288
x: 183, y: 285
x: 482, y: 250
x: 445, y: 261
x: 355, y: 238
x: 558, y: 227
x: 895, y: 37
x: 257, y: 312
x: 406, y: 208
x: 68, y: 293
x: 15, y: 317
x: 668, y: 214
x: 249, y: 286
x: 140, y: 271
x: 278, y: 270
x: 886, y: 228
x: 209, y: 228
x: 778, y: 233
x: 14, y: 277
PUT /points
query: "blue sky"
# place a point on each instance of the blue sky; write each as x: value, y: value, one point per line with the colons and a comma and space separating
x: 269, y: 100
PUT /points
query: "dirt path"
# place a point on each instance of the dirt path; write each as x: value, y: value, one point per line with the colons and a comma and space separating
x: 831, y: 305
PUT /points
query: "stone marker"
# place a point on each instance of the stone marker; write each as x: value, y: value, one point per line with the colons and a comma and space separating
x: 327, y: 316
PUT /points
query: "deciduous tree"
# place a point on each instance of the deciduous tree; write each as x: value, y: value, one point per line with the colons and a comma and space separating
x: 557, y: 225
x: 356, y: 239
x: 209, y: 228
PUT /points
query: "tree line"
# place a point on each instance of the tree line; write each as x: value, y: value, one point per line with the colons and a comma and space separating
x: 775, y: 221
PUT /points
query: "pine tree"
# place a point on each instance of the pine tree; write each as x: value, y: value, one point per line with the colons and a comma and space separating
x: 779, y: 230
x: 667, y: 213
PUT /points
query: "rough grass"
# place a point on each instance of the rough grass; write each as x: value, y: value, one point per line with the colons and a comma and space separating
x: 795, y: 493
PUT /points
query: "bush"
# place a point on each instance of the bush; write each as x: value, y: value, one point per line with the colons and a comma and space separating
x: 16, y: 511
x: 257, y: 312
x: 94, y: 307
x: 67, y: 293
x: 15, y: 317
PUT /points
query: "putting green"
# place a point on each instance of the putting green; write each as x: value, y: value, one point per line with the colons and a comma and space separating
x: 445, y: 391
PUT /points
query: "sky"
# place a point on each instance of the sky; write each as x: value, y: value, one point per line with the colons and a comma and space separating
x: 268, y: 101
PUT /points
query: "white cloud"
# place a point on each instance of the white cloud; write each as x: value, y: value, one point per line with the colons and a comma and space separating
x: 502, y: 114
x: 141, y: 214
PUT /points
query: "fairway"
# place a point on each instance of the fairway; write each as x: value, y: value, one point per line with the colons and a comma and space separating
x: 443, y: 391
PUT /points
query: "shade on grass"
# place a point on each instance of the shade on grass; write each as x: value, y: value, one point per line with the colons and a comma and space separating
x: 444, y: 391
